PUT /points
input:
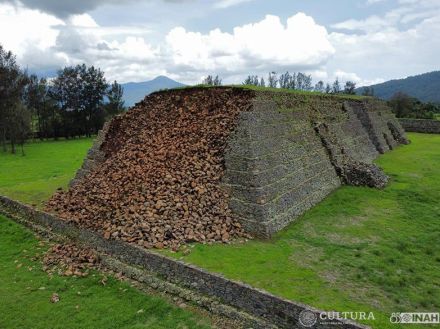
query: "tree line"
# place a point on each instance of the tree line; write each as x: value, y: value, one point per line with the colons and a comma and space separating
x: 405, y: 106
x: 75, y: 103
x: 294, y: 81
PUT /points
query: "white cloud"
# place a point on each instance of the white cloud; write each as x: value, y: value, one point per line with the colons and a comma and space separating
x: 365, y: 50
x: 124, y: 53
x: 347, y: 76
x: 402, y: 40
x: 371, y: 23
x: 407, y: 11
x: 83, y: 20
x: 343, y: 77
x: 262, y: 46
x: 372, y: 2
x: 229, y: 3
x: 64, y: 9
x: 44, y: 42
x: 21, y: 27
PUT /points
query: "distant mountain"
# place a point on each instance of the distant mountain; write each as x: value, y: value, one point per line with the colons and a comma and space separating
x: 425, y: 87
x: 136, y: 91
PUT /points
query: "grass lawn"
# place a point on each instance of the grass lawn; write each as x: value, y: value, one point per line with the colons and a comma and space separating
x: 25, y: 293
x: 25, y: 289
x: 359, y: 250
x: 33, y: 178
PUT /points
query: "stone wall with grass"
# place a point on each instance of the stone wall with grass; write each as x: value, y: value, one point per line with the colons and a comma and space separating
x: 421, y: 126
x: 260, y: 309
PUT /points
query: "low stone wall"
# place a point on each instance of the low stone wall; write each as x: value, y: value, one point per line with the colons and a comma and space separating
x: 280, y: 312
x: 421, y: 126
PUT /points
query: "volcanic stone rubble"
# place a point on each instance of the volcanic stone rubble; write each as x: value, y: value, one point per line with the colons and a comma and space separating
x: 159, y: 183
x: 68, y: 260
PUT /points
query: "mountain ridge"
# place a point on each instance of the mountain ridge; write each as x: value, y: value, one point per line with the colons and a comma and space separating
x: 136, y: 91
x: 425, y: 87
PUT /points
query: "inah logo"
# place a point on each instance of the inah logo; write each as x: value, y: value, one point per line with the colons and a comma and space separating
x: 307, y: 318
x: 415, y: 318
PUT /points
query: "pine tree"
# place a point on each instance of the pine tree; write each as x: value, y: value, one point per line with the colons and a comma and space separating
x: 319, y: 87
x: 336, y: 87
x: 115, y: 96
x: 328, y: 89
x: 349, y: 88
x: 273, y: 80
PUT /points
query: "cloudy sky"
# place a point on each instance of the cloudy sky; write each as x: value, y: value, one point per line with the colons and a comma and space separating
x: 366, y: 41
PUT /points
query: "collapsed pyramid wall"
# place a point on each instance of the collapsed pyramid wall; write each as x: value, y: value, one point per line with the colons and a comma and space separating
x: 275, y: 155
x: 154, y: 178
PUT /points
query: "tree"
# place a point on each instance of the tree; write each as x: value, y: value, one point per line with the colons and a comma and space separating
x: 424, y: 110
x: 32, y: 98
x: 303, y: 82
x: 328, y: 89
x: 12, y: 83
x: 300, y: 81
x: 368, y: 91
x: 405, y: 106
x: 212, y: 81
x: 319, y: 87
x: 92, y: 97
x: 336, y: 87
x: 284, y: 80
x: 209, y: 80
x: 349, y: 88
x: 272, y: 80
x: 251, y: 80
x: 307, y: 82
x: 401, y: 104
x: 66, y: 91
x: 115, y: 96
x: 38, y: 103
x: 79, y: 92
x: 19, y: 126
x: 217, y: 81
x: 262, y: 82
x: 292, y: 84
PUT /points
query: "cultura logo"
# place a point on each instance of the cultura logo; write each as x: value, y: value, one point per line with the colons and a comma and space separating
x: 307, y: 318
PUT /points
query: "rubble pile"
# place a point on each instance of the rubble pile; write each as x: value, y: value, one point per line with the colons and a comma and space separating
x: 69, y: 260
x: 159, y: 183
x: 357, y: 173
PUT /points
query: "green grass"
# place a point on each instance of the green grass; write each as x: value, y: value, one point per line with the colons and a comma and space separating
x: 360, y: 250
x: 25, y: 293
x: 33, y: 178
x: 269, y: 89
x: 299, y: 92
